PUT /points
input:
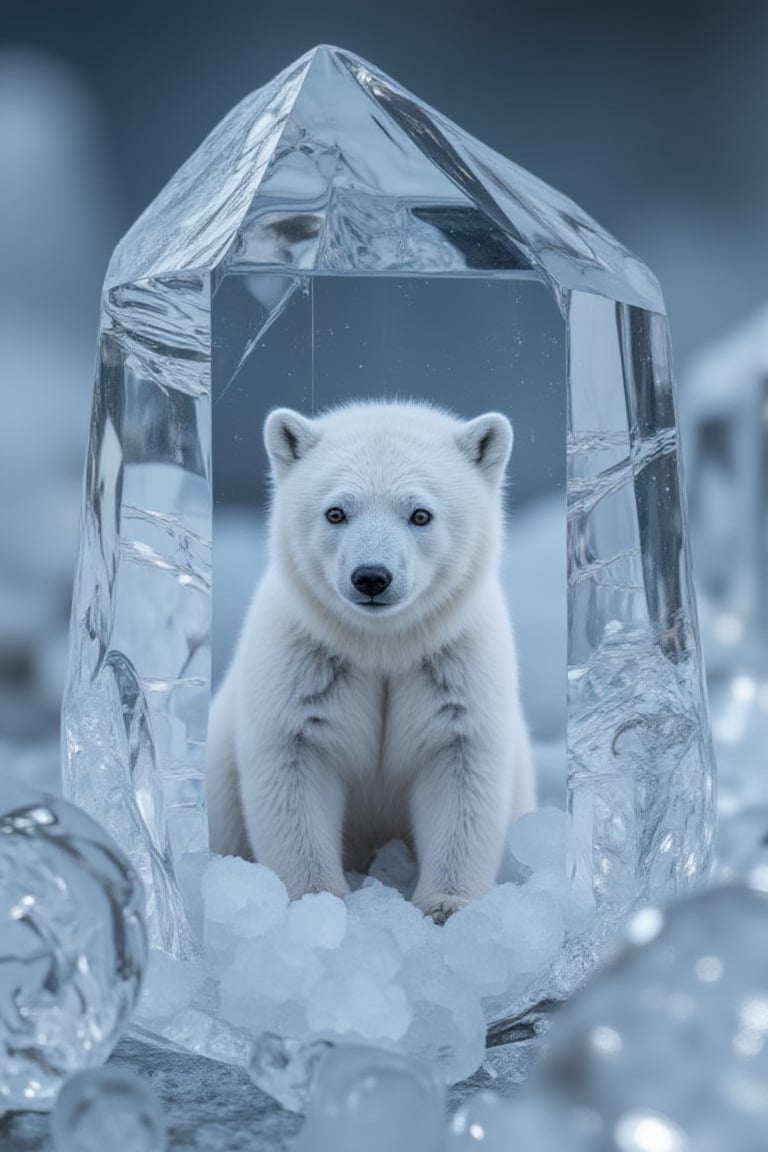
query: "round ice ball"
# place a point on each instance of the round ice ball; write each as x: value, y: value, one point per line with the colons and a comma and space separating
x: 73, y: 945
x: 107, y: 1108
x: 669, y: 1043
x: 487, y: 1122
x: 373, y: 1099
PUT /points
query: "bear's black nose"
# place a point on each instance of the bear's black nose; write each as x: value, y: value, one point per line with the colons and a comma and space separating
x: 371, y: 581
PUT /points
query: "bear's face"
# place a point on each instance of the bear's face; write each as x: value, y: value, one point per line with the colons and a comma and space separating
x: 386, y: 509
x: 380, y: 545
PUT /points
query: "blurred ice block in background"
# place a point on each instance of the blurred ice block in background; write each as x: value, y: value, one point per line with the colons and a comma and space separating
x: 56, y: 230
x: 724, y: 405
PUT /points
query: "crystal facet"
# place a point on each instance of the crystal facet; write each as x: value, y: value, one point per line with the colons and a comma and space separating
x: 335, y: 235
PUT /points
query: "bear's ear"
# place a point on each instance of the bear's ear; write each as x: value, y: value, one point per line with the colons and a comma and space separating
x: 288, y: 436
x: 487, y: 442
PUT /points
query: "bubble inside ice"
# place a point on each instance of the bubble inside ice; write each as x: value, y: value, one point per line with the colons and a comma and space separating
x: 73, y: 944
x: 107, y: 1109
x: 366, y: 1098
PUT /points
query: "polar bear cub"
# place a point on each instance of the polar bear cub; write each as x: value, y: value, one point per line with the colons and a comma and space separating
x: 373, y: 693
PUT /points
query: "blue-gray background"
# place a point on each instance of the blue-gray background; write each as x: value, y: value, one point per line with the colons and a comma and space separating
x: 651, y: 116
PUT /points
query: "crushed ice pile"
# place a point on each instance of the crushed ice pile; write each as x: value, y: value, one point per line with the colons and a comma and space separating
x: 664, y: 1050
x: 372, y: 968
x: 73, y: 944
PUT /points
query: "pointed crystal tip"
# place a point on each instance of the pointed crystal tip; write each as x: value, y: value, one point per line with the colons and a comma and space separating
x: 380, y: 182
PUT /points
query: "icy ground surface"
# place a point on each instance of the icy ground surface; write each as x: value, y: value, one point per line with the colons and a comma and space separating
x: 209, y: 1107
x: 213, y: 1107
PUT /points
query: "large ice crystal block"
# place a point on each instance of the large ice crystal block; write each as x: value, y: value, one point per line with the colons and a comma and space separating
x: 73, y: 945
x: 335, y: 238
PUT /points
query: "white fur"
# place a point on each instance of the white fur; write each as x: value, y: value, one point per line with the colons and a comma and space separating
x: 341, y: 725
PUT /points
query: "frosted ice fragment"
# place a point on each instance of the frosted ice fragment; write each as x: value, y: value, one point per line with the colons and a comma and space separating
x: 367, y: 1098
x: 107, y: 1109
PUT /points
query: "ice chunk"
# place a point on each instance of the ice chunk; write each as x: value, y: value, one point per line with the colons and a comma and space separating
x: 448, y: 1026
x: 377, y: 906
x: 107, y: 1108
x: 534, y: 1123
x: 359, y: 1003
x: 170, y: 985
x: 286, y: 1068
x: 503, y: 938
x: 668, y: 1044
x: 317, y: 921
x: 73, y: 944
x: 240, y: 900
x: 366, y: 1098
x: 266, y: 970
x: 203, y: 1032
x: 235, y: 888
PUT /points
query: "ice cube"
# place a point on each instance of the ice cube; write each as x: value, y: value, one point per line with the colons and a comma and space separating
x: 73, y: 944
x: 239, y: 890
x: 667, y: 1044
x: 107, y: 1108
x: 376, y: 1101
x: 286, y: 1068
x: 534, y: 1123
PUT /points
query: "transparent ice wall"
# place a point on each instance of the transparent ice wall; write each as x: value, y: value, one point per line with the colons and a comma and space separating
x: 334, y: 170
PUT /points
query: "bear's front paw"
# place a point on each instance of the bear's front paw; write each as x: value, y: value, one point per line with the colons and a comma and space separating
x: 441, y: 905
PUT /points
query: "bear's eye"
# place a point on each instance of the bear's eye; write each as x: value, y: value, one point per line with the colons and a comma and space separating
x: 421, y: 517
x: 335, y: 515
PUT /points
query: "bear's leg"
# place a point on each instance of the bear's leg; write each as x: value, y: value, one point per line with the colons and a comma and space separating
x: 459, y: 824
x: 294, y: 817
x: 226, y: 829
